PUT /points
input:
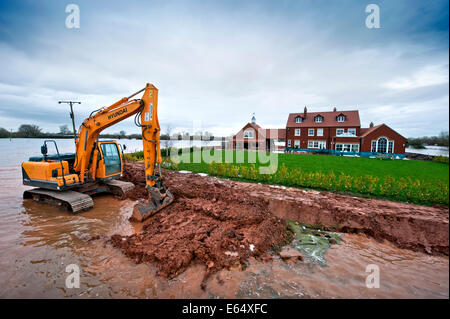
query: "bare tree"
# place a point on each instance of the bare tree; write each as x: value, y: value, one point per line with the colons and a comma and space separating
x: 4, y: 132
x: 64, y: 130
x: 206, y: 137
x: 168, y: 142
x: 28, y: 130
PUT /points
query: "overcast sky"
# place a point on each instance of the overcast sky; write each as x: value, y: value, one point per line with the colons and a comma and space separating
x: 217, y: 62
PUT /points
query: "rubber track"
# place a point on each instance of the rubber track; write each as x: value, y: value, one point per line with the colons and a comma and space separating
x: 124, y: 187
x: 76, y: 201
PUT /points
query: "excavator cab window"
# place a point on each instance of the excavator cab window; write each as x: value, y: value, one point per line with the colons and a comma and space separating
x: 111, y: 158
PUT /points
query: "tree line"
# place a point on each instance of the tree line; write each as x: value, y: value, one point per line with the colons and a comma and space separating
x: 34, y: 131
x: 420, y: 142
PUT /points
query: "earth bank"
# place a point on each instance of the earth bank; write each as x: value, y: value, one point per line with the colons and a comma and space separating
x: 221, y: 223
x: 209, y: 222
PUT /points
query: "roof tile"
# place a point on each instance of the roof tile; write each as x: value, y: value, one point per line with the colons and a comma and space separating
x: 329, y: 119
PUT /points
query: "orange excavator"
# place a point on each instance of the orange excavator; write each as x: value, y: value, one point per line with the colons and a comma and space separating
x: 69, y: 179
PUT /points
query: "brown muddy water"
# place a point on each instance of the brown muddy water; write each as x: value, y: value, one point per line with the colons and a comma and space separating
x: 38, y: 241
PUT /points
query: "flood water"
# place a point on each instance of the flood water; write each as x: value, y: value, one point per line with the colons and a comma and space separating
x: 38, y: 241
x: 430, y: 150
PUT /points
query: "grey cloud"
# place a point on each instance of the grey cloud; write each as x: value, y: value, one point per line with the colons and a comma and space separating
x: 219, y: 63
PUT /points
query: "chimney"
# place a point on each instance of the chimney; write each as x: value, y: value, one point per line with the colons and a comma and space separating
x: 334, y: 109
x: 304, y: 112
x: 371, y: 124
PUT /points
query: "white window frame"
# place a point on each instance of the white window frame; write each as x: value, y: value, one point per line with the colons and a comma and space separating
x: 373, y: 146
x: 249, y: 134
x: 298, y: 119
x: 346, y: 147
x: 311, y: 130
x: 340, y: 129
x: 378, y: 144
x: 317, y: 144
x: 318, y: 119
x: 297, y: 130
x: 341, y: 118
x: 289, y: 143
x: 320, y: 132
x: 387, y: 145
x: 350, y: 130
x: 297, y: 143
x: 393, y: 142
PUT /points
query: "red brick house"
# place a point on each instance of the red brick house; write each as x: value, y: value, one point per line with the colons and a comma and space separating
x: 340, y: 133
x: 254, y: 137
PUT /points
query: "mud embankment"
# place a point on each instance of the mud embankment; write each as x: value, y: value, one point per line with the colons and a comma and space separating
x: 409, y: 226
x: 209, y: 222
x: 221, y: 223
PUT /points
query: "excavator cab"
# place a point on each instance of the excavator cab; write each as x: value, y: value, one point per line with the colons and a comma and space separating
x: 109, y: 160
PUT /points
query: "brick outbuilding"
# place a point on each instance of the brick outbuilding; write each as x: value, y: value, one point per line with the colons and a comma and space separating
x: 254, y: 137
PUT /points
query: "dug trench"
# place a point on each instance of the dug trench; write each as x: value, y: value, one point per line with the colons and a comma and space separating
x: 221, y: 223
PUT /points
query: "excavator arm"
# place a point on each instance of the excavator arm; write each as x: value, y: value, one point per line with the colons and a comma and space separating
x: 146, y: 112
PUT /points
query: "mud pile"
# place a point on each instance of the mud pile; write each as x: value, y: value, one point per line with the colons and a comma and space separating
x: 221, y: 223
x: 209, y: 222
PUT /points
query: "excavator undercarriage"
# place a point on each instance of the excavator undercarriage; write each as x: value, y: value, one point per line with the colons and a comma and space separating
x: 78, y: 199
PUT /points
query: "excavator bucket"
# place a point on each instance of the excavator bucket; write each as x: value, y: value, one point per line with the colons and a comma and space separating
x: 158, y: 199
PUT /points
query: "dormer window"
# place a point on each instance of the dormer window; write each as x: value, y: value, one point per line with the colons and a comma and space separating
x: 318, y: 119
x: 298, y: 119
x: 341, y: 118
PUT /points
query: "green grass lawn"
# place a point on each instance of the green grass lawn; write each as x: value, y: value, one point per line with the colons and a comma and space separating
x: 355, y: 166
x: 422, y: 182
